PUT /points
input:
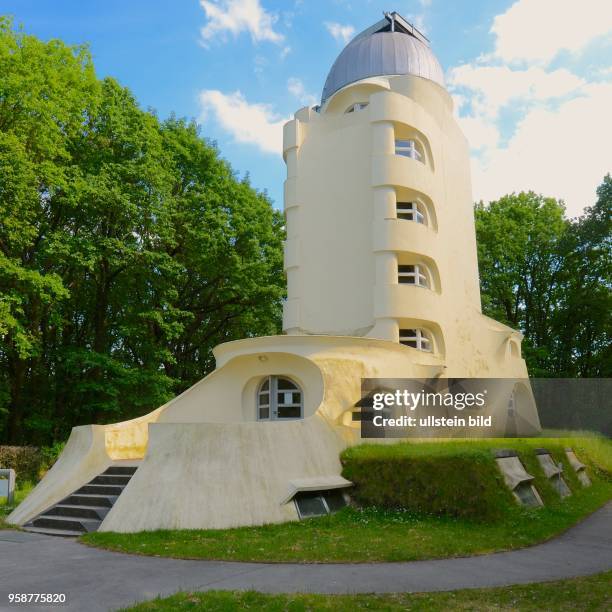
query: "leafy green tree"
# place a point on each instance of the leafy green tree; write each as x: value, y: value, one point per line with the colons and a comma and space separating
x: 519, y: 259
x: 583, y: 322
x: 128, y: 248
x: 550, y: 277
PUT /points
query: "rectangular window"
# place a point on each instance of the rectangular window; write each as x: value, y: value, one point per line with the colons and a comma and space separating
x: 407, y: 148
x: 409, y: 211
x: 319, y: 503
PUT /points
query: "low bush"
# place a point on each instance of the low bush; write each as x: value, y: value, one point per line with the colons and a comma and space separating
x: 458, y: 478
x: 27, y: 461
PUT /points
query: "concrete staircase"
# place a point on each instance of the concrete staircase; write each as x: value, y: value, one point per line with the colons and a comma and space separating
x: 85, y: 509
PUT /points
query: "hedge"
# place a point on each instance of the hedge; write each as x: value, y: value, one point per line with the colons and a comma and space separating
x: 27, y: 461
x: 451, y: 478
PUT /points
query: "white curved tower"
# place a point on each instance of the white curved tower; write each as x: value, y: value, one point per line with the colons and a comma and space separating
x: 380, y: 227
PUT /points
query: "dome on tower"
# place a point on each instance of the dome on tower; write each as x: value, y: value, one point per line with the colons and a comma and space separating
x: 390, y: 47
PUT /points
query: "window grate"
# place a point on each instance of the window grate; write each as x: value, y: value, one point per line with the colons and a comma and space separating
x: 415, y: 338
x: 319, y: 503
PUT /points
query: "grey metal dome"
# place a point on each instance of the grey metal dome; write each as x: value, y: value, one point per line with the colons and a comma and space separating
x: 390, y: 47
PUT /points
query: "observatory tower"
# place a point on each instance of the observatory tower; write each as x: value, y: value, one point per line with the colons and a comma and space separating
x: 379, y: 209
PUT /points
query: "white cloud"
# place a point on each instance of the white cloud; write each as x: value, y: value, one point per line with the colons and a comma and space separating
x: 255, y: 124
x: 481, y: 134
x: 537, y: 30
x: 493, y: 87
x: 561, y: 152
x: 555, y: 124
x: 296, y: 88
x: 342, y: 33
x: 237, y: 16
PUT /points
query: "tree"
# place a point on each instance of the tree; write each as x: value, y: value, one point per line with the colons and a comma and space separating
x: 518, y: 252
x: 128, y: 248
x: 550, y: 278
x: 583, y: 322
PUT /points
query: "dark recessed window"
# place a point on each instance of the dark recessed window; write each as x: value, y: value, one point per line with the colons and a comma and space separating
x: 526, y: 494
x: 415, y: 338
x: 353, y: 108
x: 408, y: 148
x: 279, y: 398
x: 413, y: 274
x: 319, y: 503
x: 411, y: 211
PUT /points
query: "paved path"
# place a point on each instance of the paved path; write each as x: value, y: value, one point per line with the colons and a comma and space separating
x: 99, y: 580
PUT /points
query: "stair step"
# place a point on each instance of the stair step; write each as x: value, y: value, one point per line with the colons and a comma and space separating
x: 112, y: 479
x: 79, y: 511
x: 78, y: 499
x: 67, y: 533
x: 99, y: 489
x: 56, y: 522
x: 118, y: 470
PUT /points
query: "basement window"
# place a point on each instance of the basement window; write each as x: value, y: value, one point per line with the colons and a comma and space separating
x: 415, y: 338
x: 410, y: 211
x: 413, y: 274
x: 526, y: 494
x: 517, y: 479
x: 319, y: 503
x: 353, y: 108
x: 553, y: 471
x: 408, y: 148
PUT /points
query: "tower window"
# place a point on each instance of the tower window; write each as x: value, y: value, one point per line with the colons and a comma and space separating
x: 408, y: 148
x: 416, y: 338
x: 353, y: 108
x: 412, y: 274
x: 411, y: 211
x: 279, y: 398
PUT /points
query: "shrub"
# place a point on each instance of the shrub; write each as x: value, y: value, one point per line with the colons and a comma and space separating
x: 27, y: 461
x: 452, y: 478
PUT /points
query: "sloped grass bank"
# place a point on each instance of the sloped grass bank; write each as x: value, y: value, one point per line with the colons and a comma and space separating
x: 590, y: 593
x: 459, y: 478
x: 407, y: 531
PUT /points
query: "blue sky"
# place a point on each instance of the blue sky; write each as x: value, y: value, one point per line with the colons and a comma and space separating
x: 532, y: 79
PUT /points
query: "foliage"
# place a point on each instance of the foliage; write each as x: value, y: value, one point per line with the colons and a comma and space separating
x: 452, y: 478
x: 551, y: 278
x: 464, y: 483
x: 22, y: 490
x: 585, y: 593
x: 27, y: 461
x: 128, y: 248
x: 370, y: 534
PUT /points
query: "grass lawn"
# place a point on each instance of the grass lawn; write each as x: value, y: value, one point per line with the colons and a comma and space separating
x: 591, y: 593
x: 376, y: 534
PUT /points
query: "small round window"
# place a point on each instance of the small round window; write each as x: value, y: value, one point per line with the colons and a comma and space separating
x: 279, y: 398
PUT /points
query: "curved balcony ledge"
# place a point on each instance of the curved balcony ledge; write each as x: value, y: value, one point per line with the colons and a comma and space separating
x: 291, y: 253
x: 395, y: 107
x: 398, y: 235
x: 399, y: 171
x: 408, y: 302
x: 291, y: 313
x: 291, y: 136
x: 290, y: 189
